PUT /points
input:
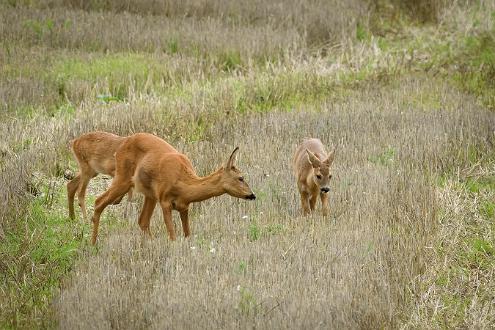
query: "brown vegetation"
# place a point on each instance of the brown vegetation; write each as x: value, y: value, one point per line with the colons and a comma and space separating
x: 397, y: 249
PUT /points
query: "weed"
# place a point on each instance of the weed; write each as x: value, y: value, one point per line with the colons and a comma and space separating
x: 487, y: 209
x: 242, y: 268
x: 385, y: 158
x: 230, y: 61
x: 172, y: 46
x: 361, y: 33
x: 254, y: 232
x: 247, y: 302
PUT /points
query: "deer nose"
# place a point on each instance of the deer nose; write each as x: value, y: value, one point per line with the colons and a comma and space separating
x: 325, y: 189
x: 251, y: 197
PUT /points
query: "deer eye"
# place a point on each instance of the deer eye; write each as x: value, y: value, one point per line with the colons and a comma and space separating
x: 241, y: 179
x: 329, y: 176
x: 318, y: 177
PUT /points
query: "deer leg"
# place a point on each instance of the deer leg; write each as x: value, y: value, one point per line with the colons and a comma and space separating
x: 118, y: 200
x: 116, y: 190
x: 72, y: 187
x: 312, y: 201
x: 81, y: 195
x: 184, y: 218
x: 167, y: 217
x: 146, y: 213
x: 324, y: 203
x: 304, y: 202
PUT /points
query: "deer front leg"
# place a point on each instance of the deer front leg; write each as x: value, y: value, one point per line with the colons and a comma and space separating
x: 167, y: 217
x: 312, y: 201
x: 116, y: 190
x: 304, y: 202
x: 184, y: 218
x: 146, y: 213
x: 324, y: 203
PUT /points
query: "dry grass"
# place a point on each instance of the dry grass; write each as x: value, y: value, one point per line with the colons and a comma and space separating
x: 208, y: 76
x: 276, y: 268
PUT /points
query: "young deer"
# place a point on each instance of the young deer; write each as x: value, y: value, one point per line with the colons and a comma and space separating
x: 168, y: 179
x: 312, y: 171
x: 94, y: 152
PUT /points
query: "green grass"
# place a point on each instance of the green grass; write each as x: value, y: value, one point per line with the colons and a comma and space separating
x: 115, y: 73
x: 480, y: 184
x: 385, y: 158
x: 38, y: 256
x: 33, y: 271
x: 477, y: 67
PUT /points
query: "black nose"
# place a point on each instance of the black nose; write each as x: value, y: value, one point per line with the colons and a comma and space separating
x: 325, y: 189
x: 251, y: 197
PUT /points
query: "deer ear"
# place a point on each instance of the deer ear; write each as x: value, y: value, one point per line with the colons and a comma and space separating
x: 330, y: 158
x: 231, y: 160
x: 315, y: 162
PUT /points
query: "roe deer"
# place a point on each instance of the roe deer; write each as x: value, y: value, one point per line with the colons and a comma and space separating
x: 167, y: 178
x: 94, y: 152
x: 312, y: 171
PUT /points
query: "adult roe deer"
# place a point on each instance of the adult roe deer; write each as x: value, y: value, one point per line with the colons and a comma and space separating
x: 167, y: 178
x: 311, y: 166
x: 94, y: 152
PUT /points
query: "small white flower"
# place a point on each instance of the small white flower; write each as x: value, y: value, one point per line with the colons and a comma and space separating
x: 212, y: 250
x: 193, y: 247
x: 245, y: 216
x: 238, y: 287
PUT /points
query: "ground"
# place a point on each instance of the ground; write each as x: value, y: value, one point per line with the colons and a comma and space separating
x: 403, y: 90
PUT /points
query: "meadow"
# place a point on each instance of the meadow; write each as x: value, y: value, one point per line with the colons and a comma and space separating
x: 405, y: 91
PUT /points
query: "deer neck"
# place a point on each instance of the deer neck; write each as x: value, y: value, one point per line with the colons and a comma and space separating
x: 198, y: 189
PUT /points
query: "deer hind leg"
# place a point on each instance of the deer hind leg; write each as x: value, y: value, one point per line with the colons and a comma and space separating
x: 116, y: 190
x: 81, y: 194
x: 184, y: 218
x: 72, y: 187
x: 324, y: 203
x: 167, y: 217
x: 129, y: 198
x: 146, y: 213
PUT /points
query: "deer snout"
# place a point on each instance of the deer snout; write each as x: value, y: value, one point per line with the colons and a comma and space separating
x: 325, y: 189
x: 251, y: 197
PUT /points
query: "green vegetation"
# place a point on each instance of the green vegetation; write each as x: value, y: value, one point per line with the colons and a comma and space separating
x: 390, y: 81
x: 35, y: 263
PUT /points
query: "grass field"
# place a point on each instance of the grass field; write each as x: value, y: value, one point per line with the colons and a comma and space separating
x: 405, y: 90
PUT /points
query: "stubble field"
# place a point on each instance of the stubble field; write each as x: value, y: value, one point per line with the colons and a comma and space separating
x: 409, y: 241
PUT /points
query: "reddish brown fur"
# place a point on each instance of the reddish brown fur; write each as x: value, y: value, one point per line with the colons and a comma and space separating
x: 94, y: 152
x: 311, y: 166
x: 147, y: 163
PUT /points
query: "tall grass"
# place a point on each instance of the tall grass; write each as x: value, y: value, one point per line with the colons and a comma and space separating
x: 207, y: 76
x: 352, y: 269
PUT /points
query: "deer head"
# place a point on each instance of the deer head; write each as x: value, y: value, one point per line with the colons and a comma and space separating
x: 321, y: 173
x: 233, y: 182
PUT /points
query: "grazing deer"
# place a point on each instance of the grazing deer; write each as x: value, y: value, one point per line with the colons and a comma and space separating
x: 312, y: 171
x: 166, y: 178
x: 94, y: 152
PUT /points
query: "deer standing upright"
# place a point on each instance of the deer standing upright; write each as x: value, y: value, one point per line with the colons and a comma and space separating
x: 94, y: 152
x: 311, y: 166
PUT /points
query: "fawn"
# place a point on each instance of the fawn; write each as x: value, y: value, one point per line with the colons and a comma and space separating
x: 311, y: 166
x: 94, y: 152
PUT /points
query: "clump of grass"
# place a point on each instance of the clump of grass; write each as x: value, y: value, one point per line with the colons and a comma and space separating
x: 477, y: 67
x: 48, y: 252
